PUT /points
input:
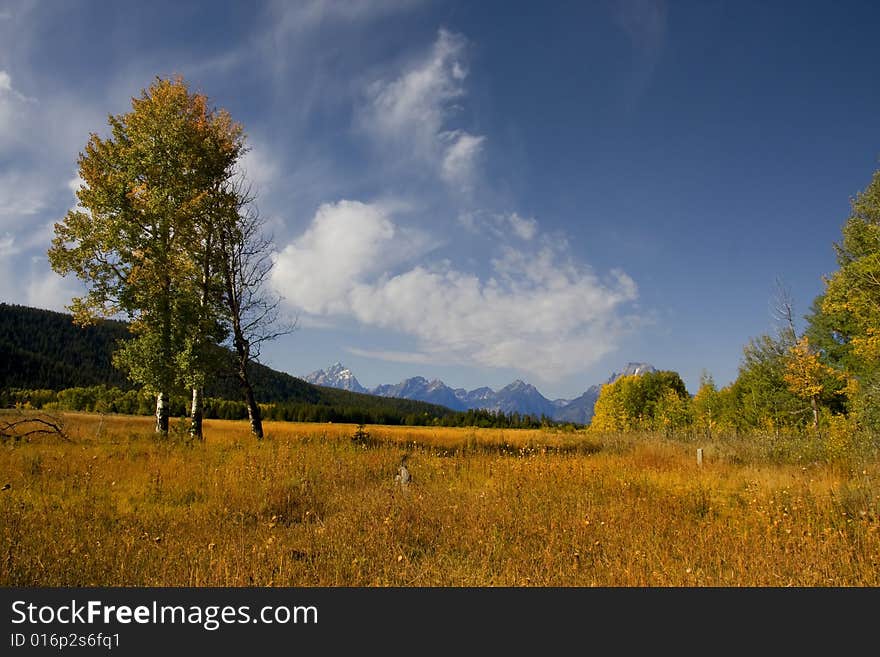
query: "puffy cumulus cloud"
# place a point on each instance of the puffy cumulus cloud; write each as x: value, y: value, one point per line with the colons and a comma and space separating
x: 413, y: 110
x: 346, y: 243
x: 538, y: 311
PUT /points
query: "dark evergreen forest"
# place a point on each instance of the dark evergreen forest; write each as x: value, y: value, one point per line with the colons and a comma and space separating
x: 47, y: 361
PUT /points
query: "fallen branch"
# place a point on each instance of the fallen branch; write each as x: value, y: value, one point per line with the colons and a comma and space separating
x: 31, y: 425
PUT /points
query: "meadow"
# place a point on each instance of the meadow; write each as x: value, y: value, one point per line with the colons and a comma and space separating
x: 312, y: 506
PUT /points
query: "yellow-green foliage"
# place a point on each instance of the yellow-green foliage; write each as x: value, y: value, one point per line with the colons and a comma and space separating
x: 706, y: 408
x: 656, y: 400
x: 310, y: 506
x: 804, y: 373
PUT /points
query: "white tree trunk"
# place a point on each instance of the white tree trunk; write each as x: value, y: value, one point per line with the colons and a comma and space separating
x: 162, y: 413
x: 197, y: 413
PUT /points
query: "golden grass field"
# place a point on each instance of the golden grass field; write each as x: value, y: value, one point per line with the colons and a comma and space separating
x: 310, y: 507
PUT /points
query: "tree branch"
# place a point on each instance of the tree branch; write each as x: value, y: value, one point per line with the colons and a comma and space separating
x: 43, y: 424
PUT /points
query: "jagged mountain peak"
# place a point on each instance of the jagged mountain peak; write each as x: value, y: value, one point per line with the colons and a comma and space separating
x: 335, y: 376
x: 516, y: 397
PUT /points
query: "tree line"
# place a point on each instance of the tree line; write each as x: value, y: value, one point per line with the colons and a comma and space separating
x: 788, y: 380
x: 342, y: 408
x: 74, y: 372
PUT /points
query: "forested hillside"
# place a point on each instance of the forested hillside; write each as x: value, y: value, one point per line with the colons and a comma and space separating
x: 45, y: 349
x: 46, y: 359
x: 42, y: 349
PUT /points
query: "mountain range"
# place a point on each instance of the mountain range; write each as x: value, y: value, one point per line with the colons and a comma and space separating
x: 43, y: 350
x: 517, y: 397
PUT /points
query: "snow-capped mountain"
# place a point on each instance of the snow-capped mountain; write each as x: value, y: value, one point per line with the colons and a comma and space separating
x: 630, y: 369
x: 518, y: 397
x: 335, y: 376
x: 419, y: 388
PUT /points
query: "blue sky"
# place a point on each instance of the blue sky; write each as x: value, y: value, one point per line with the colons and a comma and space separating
x: 482, y: 191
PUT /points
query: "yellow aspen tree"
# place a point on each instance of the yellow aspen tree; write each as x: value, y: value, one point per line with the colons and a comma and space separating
x: 140, y: 238
x: 806, y: 375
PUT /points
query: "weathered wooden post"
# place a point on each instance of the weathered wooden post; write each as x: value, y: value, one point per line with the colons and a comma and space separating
x: 700, y: 456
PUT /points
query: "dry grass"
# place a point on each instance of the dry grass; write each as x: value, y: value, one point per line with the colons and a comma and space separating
x: 310, y: 507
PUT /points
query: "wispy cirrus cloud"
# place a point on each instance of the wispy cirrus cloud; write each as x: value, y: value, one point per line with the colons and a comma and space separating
x: 413, y: 113
x: 645, y: 23
x: 309, y: 14
x: 39, y: 140
x: 500, y: 226
x: 14, y: 113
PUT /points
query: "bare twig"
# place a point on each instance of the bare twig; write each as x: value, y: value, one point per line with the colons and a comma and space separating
x: 26, y: 425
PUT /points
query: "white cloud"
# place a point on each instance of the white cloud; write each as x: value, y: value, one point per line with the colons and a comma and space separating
x: 75, y: 183
x: 393, y: 356
x: 500, y: 226
x: 460, y: 158
x: 51, y: 291
x: 259, y: 167
x: 419, y: 100
x: 539, y: 311
x: 6, y: 89
x: 29, y: 280
x: 20, y: 196
x: 412, y: 112
x: 524, y: 228
x: 7, y: 245
x: 301, y: 16
x: 13, y: 113
x: 38, y: 143
x: 347, y: 242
